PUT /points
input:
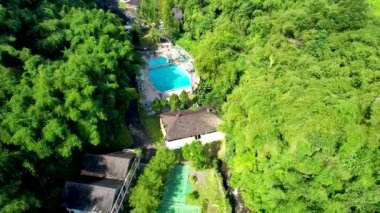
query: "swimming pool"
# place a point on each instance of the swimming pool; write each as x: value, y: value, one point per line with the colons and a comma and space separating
x: 169, y: 78
x: 153, y: 62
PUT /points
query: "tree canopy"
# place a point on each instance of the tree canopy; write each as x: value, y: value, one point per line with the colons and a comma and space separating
x: 146, y: 195
x: 65, y: 70
x: 297, y: 83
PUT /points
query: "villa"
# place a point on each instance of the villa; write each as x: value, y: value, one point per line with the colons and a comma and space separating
x: 183, y: 127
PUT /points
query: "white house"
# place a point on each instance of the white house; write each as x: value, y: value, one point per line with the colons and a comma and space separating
x: 183, y: 127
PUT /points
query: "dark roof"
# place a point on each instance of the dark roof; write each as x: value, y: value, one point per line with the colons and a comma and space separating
x: 112, y: 165
x: 91, y: 193
x: 177, y: 13
x: 183, y: 124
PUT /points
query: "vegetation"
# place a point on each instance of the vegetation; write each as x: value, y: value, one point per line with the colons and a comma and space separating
x: 208, y: 193
x: 147, y: 194
x: 152, y: 11
x: 159, y: 105
x: 153, y: 128
x: 197, y: 154
x: 174, y: 102
x: 180, y: 102
x: 184, y: 100
x: 64, y: 69
x: 297, y: 83
x: 124, y: 138
x: 375, y: 6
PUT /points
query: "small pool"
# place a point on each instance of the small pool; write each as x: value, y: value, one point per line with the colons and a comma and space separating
x: 158, y: 61
x: 169, y: 78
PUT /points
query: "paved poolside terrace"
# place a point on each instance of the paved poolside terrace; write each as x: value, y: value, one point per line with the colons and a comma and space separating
x: 145, y: 85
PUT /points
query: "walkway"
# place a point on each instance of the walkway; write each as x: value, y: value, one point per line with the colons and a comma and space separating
x: 139, y: 136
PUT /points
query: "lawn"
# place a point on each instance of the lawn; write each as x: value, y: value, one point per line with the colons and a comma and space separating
x: 208, y: 192
x: 153, y: 128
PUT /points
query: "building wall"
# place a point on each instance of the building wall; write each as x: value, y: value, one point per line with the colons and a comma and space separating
x: 207, y: 138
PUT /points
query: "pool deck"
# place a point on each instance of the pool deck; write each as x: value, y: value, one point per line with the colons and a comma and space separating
x: 146, y: 87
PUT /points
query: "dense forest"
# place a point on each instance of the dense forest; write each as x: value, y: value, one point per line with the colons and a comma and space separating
x: 297, y: 83
x: 298, y: 86
x: 65, y: 70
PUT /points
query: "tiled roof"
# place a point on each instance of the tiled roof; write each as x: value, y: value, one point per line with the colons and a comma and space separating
x: 112, y: 165
x: 91, y: 193
x: 183, y: 124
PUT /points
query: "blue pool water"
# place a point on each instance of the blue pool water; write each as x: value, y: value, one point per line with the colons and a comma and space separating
x: 152, y: 62
x: 169, y: 78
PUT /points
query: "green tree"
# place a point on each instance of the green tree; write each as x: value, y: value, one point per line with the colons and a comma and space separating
x: 156, y: 105
x: 174, y: 102
x: 164, y: 104
x: 148, y: 11
x: 172, y: 25
x: 147, y: 194
x: 184, y: 99
x: 298, y: 86
x: 65, y: 88
x: 196, y: 153
x: 153, y: 35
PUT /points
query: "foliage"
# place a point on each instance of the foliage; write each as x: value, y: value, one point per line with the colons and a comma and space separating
x: 65, y: 69
x: 375, y: 6
x: 124, y: 138
x: 171, y: 25
x: 196, y: 153
x: 184, y: 100
x: 164, y: 104
x: 148, y: 11
x: 147, y: 194
x: 153, y: 36
x: 299, y: 85
x: 159, y: 105
x: 156, y: 105
x: 152, y: 11
x: 174, y: 102
x: 208, y: 192
x: 153, y: 128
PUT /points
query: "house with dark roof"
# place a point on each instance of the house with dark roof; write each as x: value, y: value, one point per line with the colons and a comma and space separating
x: 103, y: 183
x: 91, y: 194
x: 183, y: 127
x: 112, y: 165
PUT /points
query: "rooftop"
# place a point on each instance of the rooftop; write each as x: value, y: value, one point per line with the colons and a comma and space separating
x: 91, y: 193
x: 186, y: 123
x: 112, y: 165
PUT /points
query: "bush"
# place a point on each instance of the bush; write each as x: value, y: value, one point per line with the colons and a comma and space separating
x: 194, y: 195
x: 196, y: 153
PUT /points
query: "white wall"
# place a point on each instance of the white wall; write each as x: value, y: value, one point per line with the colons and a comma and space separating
x: 207, y: 138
